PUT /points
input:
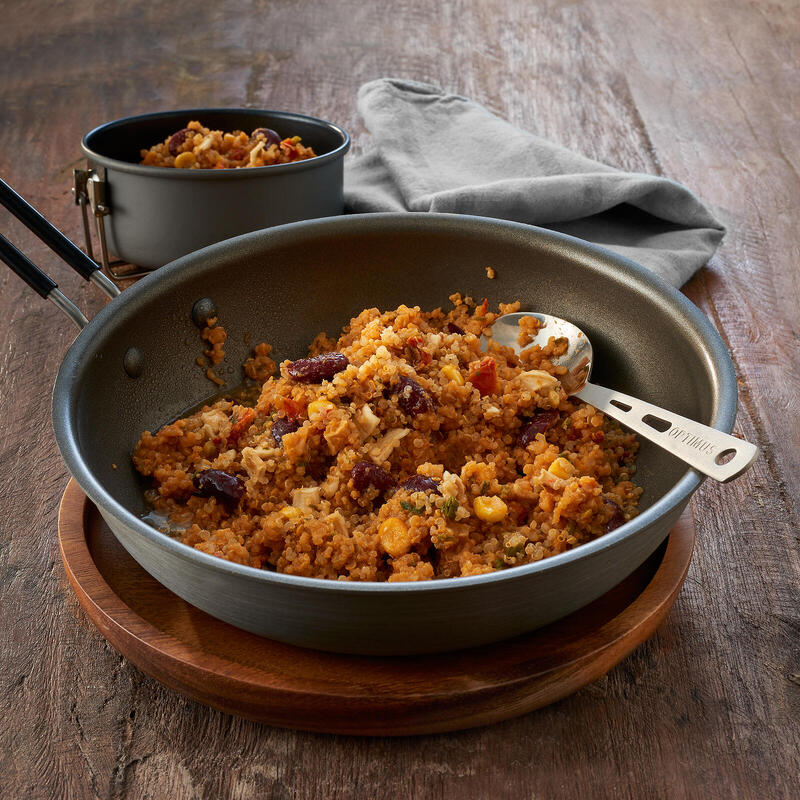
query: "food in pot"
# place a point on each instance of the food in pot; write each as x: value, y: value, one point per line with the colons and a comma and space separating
x: 197, y: 147
x: 399, y: 451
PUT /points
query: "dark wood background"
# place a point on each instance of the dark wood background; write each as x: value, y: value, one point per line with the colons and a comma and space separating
x: 705, y: 93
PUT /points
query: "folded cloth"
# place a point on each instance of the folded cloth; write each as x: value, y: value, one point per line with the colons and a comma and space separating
x: 436, y: 151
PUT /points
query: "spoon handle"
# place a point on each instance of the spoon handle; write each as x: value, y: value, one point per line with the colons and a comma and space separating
x: 706, y: 449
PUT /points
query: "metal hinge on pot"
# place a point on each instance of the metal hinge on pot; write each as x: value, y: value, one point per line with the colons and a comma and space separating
x: 89, y: 189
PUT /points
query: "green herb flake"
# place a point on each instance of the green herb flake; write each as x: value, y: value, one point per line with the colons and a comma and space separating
x: 411, y: 509
x: 498, y: 563
x: 449, y: 508
x: 484, y: 487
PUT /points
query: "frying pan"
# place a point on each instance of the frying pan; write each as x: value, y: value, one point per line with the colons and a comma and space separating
x: 132, y: 368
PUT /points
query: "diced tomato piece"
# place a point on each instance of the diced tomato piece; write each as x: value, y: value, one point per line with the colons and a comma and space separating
x: 293, y: 408
x: 243, y: 422
x: 483, y: 376
x: 418, y: 352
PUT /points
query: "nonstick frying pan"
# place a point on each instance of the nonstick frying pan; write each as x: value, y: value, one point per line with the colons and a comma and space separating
x: 132, y: 368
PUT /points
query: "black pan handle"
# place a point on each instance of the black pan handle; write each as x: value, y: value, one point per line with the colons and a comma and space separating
x: 42, y: 284
x: 55, y: 240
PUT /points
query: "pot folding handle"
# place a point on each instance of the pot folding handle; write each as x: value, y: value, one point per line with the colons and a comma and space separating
x: 55, y: 240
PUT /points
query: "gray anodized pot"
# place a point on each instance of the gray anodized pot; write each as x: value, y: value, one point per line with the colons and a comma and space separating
x: 286, y: 284
x: 159, y: 214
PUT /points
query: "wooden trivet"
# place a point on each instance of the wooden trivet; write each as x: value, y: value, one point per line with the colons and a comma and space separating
x: 238, y: 672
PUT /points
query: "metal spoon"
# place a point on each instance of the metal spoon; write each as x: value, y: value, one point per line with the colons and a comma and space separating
x: 719, y: 455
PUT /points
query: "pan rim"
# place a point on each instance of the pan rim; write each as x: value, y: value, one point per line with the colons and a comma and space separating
x: 721, y: 372
x: 214, y: 174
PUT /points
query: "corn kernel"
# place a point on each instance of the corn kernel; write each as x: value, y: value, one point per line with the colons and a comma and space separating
x: 318, y: 408
x: 184, y: 160
x: 453, y: 374
x: 394, y: 537
x: 561, y: 468
x: 489, y: 509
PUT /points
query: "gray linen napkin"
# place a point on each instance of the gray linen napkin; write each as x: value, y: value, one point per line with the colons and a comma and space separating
x: 436, y: 151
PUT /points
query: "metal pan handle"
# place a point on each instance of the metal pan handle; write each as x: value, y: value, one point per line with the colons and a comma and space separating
x: 55, y: 240
x: 691, y: 441
x: 42, y: 284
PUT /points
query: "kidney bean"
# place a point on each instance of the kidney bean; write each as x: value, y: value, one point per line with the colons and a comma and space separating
x: 281, y: 427
x: 412, y: 398
x: 177, y: 139
x: 617, y: 517
x: 541, y: 422
x: 228, y: 489
x: 270, y: 136
x: 366, y: 474
x: 420, y: 483
x: 317, y: 368
x: 453, y: 328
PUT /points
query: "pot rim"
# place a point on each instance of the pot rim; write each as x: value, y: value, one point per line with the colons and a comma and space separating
x: 214, y: 174
x: 720, y: 367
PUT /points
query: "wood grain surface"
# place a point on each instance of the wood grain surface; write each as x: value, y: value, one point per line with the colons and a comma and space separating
x: 705, y: 93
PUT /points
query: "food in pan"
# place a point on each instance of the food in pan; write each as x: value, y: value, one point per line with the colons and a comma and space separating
x: 197, y: 147
x: 399, y: 451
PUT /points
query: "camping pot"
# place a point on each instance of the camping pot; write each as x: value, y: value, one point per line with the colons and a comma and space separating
x: 149, y: 216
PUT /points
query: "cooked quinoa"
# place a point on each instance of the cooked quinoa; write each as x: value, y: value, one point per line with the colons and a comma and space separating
x: 198, y: 147
x: 399, y: 451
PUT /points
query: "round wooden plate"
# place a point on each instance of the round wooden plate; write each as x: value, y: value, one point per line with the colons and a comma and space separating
x: 238, y: 672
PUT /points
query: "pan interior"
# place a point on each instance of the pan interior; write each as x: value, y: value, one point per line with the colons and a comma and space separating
x: 285, y: 285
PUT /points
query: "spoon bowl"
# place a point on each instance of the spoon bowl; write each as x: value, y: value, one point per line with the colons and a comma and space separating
x: 577, y: 359
x: 714, y: 453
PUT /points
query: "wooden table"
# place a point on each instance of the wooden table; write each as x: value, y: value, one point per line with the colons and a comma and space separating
x: 705, y: 93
